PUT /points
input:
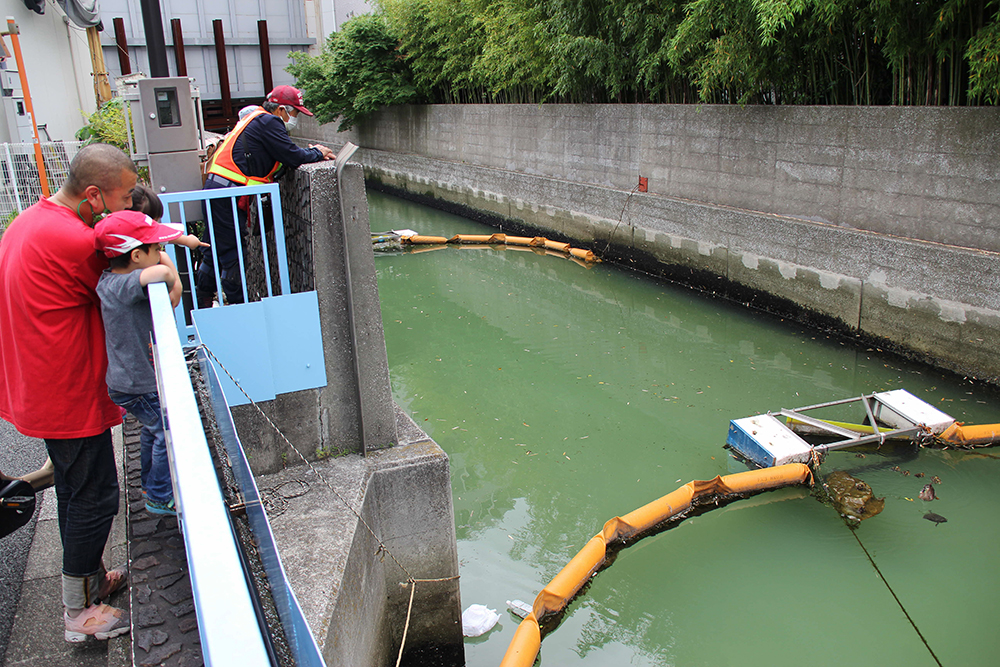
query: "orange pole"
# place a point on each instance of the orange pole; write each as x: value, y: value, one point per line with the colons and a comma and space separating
x: 13, y: 31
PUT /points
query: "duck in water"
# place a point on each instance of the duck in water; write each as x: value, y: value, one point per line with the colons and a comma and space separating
x: 927, y: 493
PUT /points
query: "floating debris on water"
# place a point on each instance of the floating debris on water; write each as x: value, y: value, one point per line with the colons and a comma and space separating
x: 852, y: 497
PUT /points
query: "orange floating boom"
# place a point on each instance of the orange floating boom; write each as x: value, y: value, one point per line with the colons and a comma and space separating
x: 973, y: 434
x: 503, y: 239
x: 556, y: 595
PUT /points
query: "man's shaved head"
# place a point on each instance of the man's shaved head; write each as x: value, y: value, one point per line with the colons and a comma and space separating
x: 97, y: 164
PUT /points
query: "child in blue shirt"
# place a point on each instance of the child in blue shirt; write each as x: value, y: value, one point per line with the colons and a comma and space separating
x: 132, y: 242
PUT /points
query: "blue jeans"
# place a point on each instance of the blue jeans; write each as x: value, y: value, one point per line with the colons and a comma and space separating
x: 152, y: 443
x: 86, y: 479
x: 204, y: 282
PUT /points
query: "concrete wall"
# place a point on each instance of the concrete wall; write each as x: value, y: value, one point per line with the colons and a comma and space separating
x: 349, y: 589
x: 354, y: 412
x: 882, y: 222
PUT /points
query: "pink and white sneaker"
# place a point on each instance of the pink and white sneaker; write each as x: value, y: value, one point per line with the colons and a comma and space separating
x: 99, y: 621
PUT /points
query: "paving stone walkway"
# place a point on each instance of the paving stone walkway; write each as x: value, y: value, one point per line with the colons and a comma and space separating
x: 164, y: 624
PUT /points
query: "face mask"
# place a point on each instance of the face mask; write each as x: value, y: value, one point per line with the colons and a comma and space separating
x: 97, y: 217
x: 292, y: 122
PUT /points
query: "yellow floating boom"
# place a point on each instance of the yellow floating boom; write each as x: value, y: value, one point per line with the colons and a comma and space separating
x: 556, y: 595
x: 503, y: 239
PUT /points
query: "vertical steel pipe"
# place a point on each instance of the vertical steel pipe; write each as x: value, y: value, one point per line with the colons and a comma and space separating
x: 156, y: 45
x: 220, y: 58
x: 179, y: 58
x: 265, y: 56
x: 121, y: 42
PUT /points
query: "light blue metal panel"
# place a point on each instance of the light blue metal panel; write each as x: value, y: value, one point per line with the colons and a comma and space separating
x: 237, y: 336
x: 297, y: 360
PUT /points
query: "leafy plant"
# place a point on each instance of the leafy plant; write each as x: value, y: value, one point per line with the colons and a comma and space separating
x: 358, y: 72
x: 107, y: 124
x: 942, y: 52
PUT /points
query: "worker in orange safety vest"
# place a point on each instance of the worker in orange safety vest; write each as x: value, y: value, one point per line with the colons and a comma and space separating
x: 251, y: 154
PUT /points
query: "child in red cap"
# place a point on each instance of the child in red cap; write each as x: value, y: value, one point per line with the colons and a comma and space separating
x: 133, y: 243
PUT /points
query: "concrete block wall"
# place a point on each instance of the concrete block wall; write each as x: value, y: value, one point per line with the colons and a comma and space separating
x: 349, y: 589
x: 927, y: 173
x: 351, y: 592
x: 881, y: 221
x: 354, y: 412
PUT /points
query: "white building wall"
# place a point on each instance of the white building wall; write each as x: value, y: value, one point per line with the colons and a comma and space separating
x: 286, y: 28
x: 326, y: 16
x: 58, y: 64
x: 57, y: 61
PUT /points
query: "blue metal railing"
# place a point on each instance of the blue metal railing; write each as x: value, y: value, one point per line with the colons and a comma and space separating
x: 175, y: 211
x: 221, y: 593
x: 230, y: 629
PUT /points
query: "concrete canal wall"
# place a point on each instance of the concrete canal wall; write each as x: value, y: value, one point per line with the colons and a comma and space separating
x: 383, y: 481
x: 882, y: 222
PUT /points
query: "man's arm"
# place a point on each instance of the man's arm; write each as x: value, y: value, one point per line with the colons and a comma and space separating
x: 270, y: 131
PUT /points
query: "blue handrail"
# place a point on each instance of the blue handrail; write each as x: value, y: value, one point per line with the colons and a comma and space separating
x: 230, y: 632
x: 227, y: 623
x: 174, y: 211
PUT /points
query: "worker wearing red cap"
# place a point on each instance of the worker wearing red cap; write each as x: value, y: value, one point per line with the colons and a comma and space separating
x: 251, y: 154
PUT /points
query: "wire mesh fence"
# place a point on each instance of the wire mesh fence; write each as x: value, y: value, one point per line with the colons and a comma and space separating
x: 20, y: 186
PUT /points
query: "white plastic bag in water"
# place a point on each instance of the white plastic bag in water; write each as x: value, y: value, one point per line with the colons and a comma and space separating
x: 478, y: 620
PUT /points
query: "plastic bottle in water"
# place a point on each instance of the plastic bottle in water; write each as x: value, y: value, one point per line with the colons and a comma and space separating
x: 519, y: 608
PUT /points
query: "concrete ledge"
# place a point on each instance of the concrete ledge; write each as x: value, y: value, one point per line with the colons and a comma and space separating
x: 350, y: 591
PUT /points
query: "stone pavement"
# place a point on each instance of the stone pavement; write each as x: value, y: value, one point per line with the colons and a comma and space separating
x: 164, y: 625
x: 36, y: 640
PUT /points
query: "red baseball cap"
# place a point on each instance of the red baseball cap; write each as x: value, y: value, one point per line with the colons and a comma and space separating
x: 123, y: 231
x: 289, y: 96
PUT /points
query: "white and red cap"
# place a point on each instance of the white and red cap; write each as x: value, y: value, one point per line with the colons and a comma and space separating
x: 123, y: 231
x: 289, y: 96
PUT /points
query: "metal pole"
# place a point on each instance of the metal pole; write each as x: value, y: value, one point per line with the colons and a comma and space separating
x: 121, y: 42
x: 156, y: 45
x: 265, y: 56
x: 179, y: 57
x: 13, y: 31
x: 220, y: 58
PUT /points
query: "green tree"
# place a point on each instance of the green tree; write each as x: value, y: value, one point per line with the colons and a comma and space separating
x: 440, y: 41
x: 358, y: 72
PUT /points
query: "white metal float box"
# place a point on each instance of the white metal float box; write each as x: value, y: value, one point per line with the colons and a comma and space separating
x: 767, y: 442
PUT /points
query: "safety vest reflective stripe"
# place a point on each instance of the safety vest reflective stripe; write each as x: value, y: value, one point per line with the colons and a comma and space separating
x: 223, y: 164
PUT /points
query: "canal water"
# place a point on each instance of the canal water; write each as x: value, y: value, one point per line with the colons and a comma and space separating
x: 567, y: 395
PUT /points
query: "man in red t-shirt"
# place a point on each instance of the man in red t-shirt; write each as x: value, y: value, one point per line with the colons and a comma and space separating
x: 52, y: 367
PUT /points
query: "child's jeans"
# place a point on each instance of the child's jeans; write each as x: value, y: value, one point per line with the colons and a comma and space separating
x: 152, y: 442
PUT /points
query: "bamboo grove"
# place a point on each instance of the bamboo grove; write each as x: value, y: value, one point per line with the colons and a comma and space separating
x: 829, y: 52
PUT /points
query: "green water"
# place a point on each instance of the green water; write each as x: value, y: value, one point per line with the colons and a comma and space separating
x: 565, y: 396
